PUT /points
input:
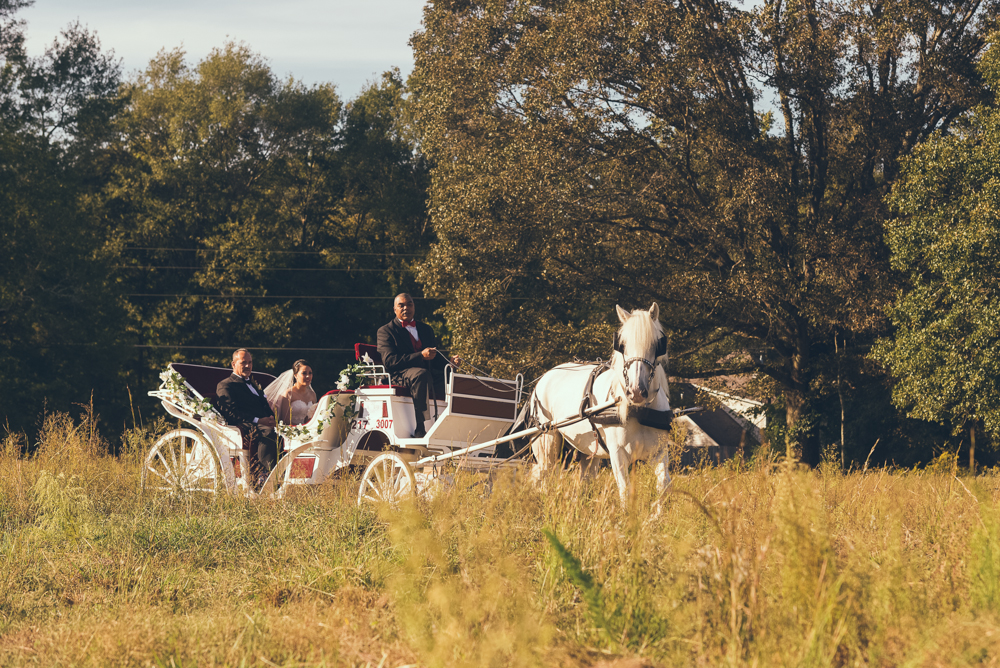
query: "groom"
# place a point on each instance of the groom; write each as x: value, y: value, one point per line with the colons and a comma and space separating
x: 241, y: 402
x: 409, y: 353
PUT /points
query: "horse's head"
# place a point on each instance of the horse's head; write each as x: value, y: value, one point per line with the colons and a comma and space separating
x: 640, y: 342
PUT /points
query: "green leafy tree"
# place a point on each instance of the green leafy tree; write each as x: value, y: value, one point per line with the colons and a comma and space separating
x: 587, y: 153
x: 945, y: 353
x: 250, y: 211
x: 59, y: 316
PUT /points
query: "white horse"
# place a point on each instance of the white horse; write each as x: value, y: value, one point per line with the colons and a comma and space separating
x: 636, y: 379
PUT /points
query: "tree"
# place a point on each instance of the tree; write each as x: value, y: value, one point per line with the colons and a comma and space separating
x: 59, y: 334
x: 945, y: 353
x: 249, y: 211
x: 617, y: 150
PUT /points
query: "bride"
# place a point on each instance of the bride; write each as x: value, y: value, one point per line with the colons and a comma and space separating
x: 291, y: 395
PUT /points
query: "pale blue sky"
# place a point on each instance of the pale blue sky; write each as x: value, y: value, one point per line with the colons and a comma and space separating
x: 346, y: 42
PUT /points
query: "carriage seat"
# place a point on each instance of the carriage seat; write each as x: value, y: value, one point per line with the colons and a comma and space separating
x: 205, y: 379
x: 359, y: 351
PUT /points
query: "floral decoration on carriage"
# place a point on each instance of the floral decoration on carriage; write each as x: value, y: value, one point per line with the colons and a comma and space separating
x: 176, y: 391
x: 356, y: 376
x: 309, y: 431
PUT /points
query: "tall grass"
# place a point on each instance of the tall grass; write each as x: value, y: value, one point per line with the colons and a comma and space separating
x: 751, y: 563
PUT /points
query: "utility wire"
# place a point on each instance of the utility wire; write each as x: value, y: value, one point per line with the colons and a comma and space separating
x: 231, y: 347
x: 126, y: 266
x: 157, y: 295
x: 277, y: 252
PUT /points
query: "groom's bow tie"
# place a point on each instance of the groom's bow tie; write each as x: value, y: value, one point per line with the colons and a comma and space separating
x: 250, y: 385
x: 409, y: 323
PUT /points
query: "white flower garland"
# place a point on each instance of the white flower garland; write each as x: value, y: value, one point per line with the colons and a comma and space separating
x: 173, y: 389
x: 305, y: 433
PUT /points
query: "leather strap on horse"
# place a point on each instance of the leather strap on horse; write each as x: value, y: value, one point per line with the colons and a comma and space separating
x: 589, y: 400
x: 597, y: 435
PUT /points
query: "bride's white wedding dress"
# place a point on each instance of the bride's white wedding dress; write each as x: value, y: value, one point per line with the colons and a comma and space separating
x: 302, y: 411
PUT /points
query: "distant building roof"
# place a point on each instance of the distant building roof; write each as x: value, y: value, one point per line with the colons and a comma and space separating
x: 723, y: 432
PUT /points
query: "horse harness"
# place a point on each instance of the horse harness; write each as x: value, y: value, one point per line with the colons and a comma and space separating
x: 607, y: 416
x: 648, y: 417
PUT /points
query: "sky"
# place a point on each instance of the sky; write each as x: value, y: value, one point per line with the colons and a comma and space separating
x: 346, y: 42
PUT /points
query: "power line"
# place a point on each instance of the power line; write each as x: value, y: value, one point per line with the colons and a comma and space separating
x: 370, y: 297
x: 125, y: 266
x: 233, y: 347
x: 277, y: 252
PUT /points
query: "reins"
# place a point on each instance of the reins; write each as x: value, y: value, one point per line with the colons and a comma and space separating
x: 479, y: 374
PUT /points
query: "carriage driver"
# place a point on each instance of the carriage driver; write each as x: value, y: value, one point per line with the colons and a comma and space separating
x: 242, y: 403
x: 410, y: 355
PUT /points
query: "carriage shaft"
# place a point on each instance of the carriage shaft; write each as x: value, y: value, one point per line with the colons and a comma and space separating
x: 512, y: 437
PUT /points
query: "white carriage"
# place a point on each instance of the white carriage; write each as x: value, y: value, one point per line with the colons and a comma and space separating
x: 369, y: 428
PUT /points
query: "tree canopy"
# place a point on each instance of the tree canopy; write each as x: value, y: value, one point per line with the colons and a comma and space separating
x: 728, y: 163
x: 258, y: 212
x: 190, y: 210
x: 59, y: 339
x: 945, y: 353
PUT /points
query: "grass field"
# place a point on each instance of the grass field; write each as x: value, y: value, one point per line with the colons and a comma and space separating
x: 747, y: 564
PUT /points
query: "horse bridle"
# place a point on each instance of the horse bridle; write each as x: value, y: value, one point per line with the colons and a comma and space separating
x: 661, y: 350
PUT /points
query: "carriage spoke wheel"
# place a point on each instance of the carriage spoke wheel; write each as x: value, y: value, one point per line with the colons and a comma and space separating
x: 181, y: 462
x: 387, y: 479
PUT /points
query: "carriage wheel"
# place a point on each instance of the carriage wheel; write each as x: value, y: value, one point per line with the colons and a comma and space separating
x: 181, y: 462
x: 387, y: 479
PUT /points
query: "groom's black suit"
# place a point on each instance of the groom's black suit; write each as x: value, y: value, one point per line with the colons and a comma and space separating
x: 239, y: 406
x: 408, y: 367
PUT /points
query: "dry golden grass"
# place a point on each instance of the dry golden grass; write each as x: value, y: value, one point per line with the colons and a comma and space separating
x: 760, y: 564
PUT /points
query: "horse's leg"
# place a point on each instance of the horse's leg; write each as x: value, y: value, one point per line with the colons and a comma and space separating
x: 545, y: 447
x: 619, y: 466
x: 660, y: 468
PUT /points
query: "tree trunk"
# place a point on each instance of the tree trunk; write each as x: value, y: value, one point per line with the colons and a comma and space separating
x: 794, y: 404
x: 801, y: 439
x: 972, y: 449
x: 840, y: 395
x: 800, y: 436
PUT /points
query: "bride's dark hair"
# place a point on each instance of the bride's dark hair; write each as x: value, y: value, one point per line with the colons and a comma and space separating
x: 298, y: 365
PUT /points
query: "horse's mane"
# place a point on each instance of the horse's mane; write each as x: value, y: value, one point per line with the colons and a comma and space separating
x: 641, y: 330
